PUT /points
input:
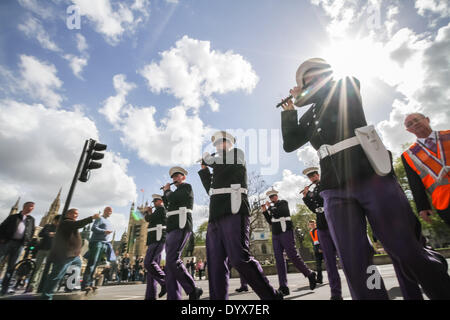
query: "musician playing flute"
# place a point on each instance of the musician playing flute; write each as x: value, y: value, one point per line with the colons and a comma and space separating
x: 278, y: 216
x: 229, y: 226
x: 156, y: 238
x: 314, y: 202
x: 179, y: 204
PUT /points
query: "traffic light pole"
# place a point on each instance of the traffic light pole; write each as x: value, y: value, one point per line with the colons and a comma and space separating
x: 75, y: 178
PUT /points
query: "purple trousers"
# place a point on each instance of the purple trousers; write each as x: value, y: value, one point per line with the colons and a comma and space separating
x: 154, y: 273
x: 285, y: 242
x: 176, y: 273
x: 387, y: 209
x: 329, y: 255
x: 229, y: 238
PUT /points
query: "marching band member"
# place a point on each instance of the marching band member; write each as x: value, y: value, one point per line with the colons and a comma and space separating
x: 179, y: 204
x: 156, y: 238
x: 314, y: 202
x: 278, y: 216
x: 228, y: 227
x: 357, y: 182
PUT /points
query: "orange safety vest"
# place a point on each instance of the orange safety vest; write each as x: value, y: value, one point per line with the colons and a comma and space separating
x: 432, y: 168
x: 314, y: 236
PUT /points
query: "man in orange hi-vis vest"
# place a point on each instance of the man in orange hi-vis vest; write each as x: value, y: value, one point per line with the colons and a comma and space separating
x: 427, y: 165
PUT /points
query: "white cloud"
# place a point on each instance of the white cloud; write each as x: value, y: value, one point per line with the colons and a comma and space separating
x: 113, y: 22
x: 82, y: 45
x: 38, y: 7
x: 308, y: 156
x: 77, y: 64
x: 40, y: 81
x: 192, y: 72
x: 113, y: 106
x: 176, y: 140
x: 40, y: 150
x: 34, y: 29
x: 434, y: 7
x: 289, y: 188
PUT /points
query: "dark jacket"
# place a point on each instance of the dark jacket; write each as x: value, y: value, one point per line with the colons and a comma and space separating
x: 329, y: 123
x: 229, y: 168
x: 278, y: 210
x: 9, y: 227
x: 314, y: 201
x: 46, y: 241
x: 157, y: 217
x: 68, y: 242
x: 183, y: 196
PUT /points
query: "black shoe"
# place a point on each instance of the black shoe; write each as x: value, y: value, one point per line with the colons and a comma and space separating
x: 279, y: 295
x: 336, y: 298
x: 319, y: 279
x: 162, y: 292
x: 284, y: 290
x: 196, y: 294
x: 242, y: 289
x: 312, y: 280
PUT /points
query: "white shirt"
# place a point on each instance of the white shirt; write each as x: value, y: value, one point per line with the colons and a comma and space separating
x: 431, y: 136
x: 18, y: 235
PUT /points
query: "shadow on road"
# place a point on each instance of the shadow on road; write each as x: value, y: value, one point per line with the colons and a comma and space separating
x: 298, y: 296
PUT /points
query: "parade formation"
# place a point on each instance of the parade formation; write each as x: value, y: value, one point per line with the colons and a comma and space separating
x: 355, y: 185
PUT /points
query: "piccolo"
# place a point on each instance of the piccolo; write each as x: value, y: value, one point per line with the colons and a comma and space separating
x: 201, y: 159
x: 307, y: 187
x: 284, y: 101
x: 164, y: 186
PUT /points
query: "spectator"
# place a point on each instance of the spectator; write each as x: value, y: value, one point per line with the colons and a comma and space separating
x: 66, y: 249
x: 100, y: 243
x: 47, y: 234
x: 427, y: 168
x: 125, y: 268
x: 200, y: 268
x: 15, y: 232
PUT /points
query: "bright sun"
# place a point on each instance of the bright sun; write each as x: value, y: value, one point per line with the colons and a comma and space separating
x: 359, y: 58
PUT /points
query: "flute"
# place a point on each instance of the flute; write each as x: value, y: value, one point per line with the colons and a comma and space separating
x: 307, y: 187
x: 163, y: 186
x: 284, y: 101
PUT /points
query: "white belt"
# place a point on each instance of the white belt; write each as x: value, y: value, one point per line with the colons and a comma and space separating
x: 282, y: 220
x: 326, y: 150
x: 182, y: 212
x: 159, y: 228
x: 319, y: 210
x: 225, y: 190
x: 235, y: 192
x: 155, y: 228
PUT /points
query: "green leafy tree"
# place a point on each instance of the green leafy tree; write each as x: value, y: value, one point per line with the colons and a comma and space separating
x: 301, y: 220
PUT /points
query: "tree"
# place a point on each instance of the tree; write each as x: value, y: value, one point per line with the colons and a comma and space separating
x: 200, y: 234
x: 256, y: 187
x: 301, y: 220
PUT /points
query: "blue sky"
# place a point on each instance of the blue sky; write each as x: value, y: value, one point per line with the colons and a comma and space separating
x: 151, y: 77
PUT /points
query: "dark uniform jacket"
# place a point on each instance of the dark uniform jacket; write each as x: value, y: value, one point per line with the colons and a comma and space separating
x: 329, y: 123
x: 46, y: 241
x: 278, y: 210
x: 10, y: 224
x: 157, y: 217
x: 183, y: 196
x: 229, y: 168
x: 314, y: 201
x: 68, y: 242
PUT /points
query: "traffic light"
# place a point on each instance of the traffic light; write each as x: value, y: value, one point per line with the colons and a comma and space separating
x: 91, y: 157
x: 137, y: 231
x: 123, y: 248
